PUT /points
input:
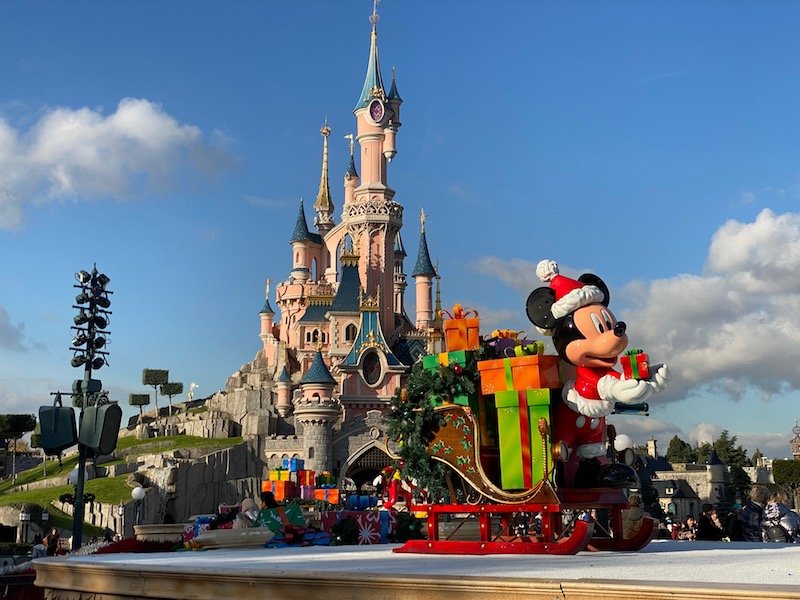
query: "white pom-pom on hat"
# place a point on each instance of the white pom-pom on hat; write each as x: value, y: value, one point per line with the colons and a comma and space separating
x: 546, y: 270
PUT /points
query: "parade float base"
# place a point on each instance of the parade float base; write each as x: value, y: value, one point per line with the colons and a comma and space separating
x: 664, y: 569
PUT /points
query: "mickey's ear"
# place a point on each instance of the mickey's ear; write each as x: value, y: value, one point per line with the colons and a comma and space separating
x: 591, y: 279
x: 539, y: 306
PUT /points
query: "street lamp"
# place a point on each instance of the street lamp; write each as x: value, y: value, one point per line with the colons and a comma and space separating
x: 45, y: 519
x: 137, y: 494
x: 121, y: 513
x: 24, y: 521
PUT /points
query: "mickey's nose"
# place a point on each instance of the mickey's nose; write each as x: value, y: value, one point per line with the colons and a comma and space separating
x: 619, y: 328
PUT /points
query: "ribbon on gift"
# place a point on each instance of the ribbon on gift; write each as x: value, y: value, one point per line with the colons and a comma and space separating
x: 507, y: 334
x: 525, y: 438
x: 533, y: 349
x: 459, y: 312
x: 633, y: 356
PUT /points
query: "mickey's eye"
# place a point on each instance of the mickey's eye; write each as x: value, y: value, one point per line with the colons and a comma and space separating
x: 597, y: 324
x: 608, y: 319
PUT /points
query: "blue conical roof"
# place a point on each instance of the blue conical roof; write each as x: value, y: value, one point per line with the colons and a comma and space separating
x: 373, y: 83
x: 393, y: 93
x: 284, y: 376
x: 424, y: 267
x: 399, y: 250
x: 301, y: 232
x: 714, y: 458
x: 318, y: 372
x: 267, y: 308
x: 351, y: 168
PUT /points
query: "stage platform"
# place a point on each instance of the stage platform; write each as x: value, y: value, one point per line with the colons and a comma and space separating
x: 664, y: 569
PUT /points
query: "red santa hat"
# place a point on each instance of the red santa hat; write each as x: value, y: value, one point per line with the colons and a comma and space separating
x: 570, y: 293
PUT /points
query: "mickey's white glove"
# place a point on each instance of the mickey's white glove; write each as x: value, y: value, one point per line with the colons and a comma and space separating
x: 586, y: 406
x: 660, y: 379
x: 627, y: 391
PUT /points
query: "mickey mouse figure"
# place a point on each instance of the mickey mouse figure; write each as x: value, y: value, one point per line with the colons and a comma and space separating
x: 587, y: 335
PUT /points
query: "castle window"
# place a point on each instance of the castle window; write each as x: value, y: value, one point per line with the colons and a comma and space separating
x: 315, y: 335
x: 311, y: 452
x: 669, y: 491
x: 350, y: 333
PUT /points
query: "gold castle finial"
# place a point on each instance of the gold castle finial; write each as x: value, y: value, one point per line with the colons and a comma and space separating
x: 422, y: 218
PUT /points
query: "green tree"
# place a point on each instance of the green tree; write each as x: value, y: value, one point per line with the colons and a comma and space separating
x: 734, y: 457
x: 13, y: 427
x: 169, y: 390
x: 139, y: 400
x: 36, y: 442
x: 155, y: 377
x: 679, y: 451
x: 787, y: 474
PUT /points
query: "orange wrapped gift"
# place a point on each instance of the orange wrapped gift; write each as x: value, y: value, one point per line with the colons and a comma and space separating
x: 461, y: 329
x: 530, y: 372
x: 282, y: 490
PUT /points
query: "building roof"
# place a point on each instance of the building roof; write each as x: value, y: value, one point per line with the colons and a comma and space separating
x: 399, y: 250
x: 324, y: 203
x: 267, y: 309
x: 284, y: 376
x: 373, y: 83
x: 370, y: 335
x: 318, y: 372
x: 346, y: 299
x: 393, y: 94
x: 351, y: 168
x: 680, y: 488
x: 714, y: 458
x: 301, y: 232
x: 424, y: 266
x: 315, y: 313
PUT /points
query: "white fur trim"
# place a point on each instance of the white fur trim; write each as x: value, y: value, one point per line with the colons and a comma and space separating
x: 546, y: 270
x: 583, y: 296
x: 588, y: 407
x: 543, y: 331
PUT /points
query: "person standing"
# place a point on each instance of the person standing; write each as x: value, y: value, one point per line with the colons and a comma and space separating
x: 752, y: 514
x: 708, y: 526
x: 51, y: 541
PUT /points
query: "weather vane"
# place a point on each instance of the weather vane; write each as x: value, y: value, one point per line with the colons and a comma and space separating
x: 349, y: 137
x: 374, y: 18
x: 422, y: 218
x: 268, y: 282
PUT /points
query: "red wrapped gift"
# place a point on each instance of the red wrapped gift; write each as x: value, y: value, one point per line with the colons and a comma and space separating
x: 305, y: 477
x: 374, y: 526
x: 461, y: 330
x: 635, y: 364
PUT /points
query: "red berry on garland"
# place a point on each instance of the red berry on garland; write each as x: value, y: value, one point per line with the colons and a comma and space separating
x: 458, y: 369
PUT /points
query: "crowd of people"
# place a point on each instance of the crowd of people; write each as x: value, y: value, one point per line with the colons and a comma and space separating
x: 764, y: 517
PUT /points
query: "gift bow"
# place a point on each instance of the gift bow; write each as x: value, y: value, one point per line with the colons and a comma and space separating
x: 459, y: 312
x: 634, y: 352
x: 529, y: 349
x: 507, y: 334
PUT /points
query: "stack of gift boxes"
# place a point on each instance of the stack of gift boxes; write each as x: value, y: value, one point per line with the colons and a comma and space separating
x: 291, y: 480
x: 515, y: 392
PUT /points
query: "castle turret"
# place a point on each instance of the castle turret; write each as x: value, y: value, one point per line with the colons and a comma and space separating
x: 715, y: 476
x: 324, y: 205
x: 268, y: 339
x: 303, y: 245
x: 317, y: 411
x: 283, y: 388
x: 390, y: 131
x: 399, y: 275
x: 351, y: 175
x: 423, y: 276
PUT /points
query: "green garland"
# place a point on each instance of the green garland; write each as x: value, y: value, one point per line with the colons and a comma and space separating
x: 412, y: 421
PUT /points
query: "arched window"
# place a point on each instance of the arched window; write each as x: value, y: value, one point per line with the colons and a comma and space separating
x: 315, y: 335
x: 350, y: 333
x: 310, y: 452
x: 314, y: 274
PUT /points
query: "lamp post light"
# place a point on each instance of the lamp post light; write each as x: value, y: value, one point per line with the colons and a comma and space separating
x: 24, y: 522
x: 45, y: 519
x: 137, y: 494
x: 121, y: 513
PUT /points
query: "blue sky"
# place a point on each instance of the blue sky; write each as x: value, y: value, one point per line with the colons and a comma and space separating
x: 655, y: 144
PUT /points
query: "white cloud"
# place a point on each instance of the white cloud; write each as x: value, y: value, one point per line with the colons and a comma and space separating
x: 12, y: 336
x: 516, y: 273
x: 84, y: 154
x: 732, y: 330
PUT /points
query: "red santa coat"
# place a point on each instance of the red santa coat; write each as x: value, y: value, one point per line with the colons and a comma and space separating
x: 574, y: 428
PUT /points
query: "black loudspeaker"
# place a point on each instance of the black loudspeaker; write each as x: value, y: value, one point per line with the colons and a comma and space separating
x: 57, y: 424
x: 100, y: 427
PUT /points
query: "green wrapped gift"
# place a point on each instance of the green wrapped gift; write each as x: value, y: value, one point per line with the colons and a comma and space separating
x: 432, y: 362
x: 521, y: 449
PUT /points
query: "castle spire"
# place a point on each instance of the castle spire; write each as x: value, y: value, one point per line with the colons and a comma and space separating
x: 423, y: 267
x: 301, y: 232
x: 324, y: 204
x: 351, y: 168
x: 267, y: 310
x: 373, y: 82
